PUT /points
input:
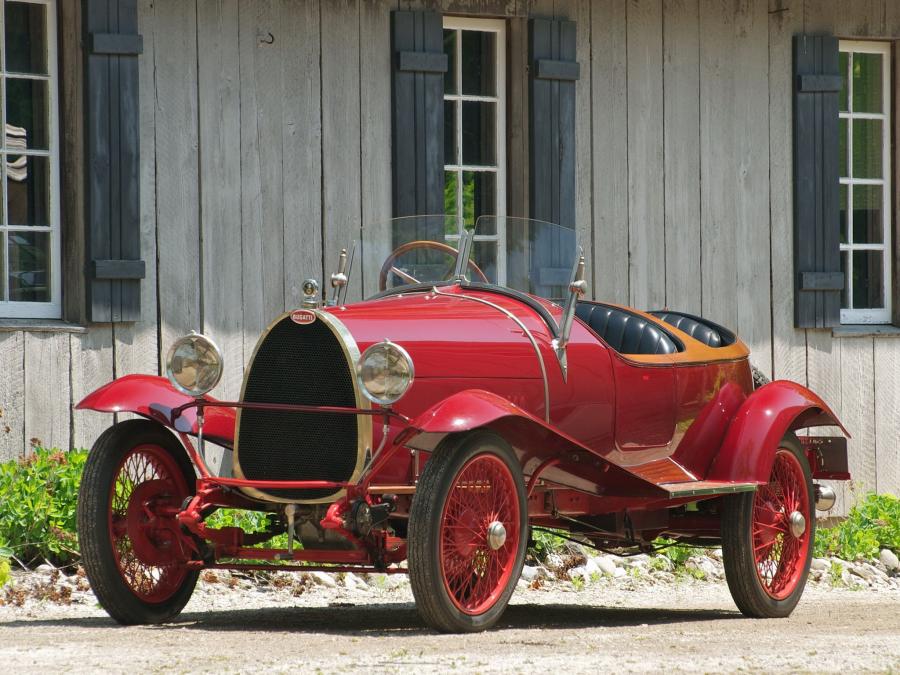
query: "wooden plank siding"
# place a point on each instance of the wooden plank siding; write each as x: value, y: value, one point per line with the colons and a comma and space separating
x: 265, y: 131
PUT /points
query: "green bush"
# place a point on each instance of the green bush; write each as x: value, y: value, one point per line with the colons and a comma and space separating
x: 5, y: 552
x: 871, y: 525
x: 39, y: 495
x: 544, y: 542
x: 248, y: 521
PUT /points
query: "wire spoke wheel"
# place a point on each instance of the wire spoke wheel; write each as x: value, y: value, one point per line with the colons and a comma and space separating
x: 145, y: 543
x: 467, y: 528
x: 767, y: 536
x: 780, y: 553
x: 474, y: 572
x: 135, y: 480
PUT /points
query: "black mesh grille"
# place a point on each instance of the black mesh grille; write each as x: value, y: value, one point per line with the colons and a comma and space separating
x: 298, y: 364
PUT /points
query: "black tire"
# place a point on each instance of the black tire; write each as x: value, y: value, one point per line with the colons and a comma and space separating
x: 94, y: 506
x: 741, y: 568
x: 433, y: 600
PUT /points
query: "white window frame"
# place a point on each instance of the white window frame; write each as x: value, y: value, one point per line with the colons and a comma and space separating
x: 877, y: 315
x: 498, y: 27
x: 35, y: 310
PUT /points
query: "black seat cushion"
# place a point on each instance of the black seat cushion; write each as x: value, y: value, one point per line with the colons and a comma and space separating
x: 698, y: 328
x: 625, y: 332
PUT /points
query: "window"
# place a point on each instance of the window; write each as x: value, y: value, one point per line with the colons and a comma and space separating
x: 29, y: 161
x: 865, y: 168
x: 475, y: 136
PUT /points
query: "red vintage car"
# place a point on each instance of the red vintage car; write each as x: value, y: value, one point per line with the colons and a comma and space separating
x: 474, y: 397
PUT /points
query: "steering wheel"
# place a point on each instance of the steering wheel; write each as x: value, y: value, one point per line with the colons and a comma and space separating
x: 389, y: 267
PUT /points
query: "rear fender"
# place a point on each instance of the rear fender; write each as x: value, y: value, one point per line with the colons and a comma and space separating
x: 154, y: 397
x: 748, y: 451
x: 539, y: 446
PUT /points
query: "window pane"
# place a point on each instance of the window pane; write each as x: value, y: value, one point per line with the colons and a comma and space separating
x: 867, y: 91
x: 28, y: 190
x: 450, y: 192
x: 843, y: 214
x: 868, y: 226
x: 843, y: 166
x: 844, y: 64
x: 450, y: 133
x: 450, y: 51
x: 478, y: 58
x: 845, y: 295
x: 29, y: 271
x: 26, y: 38
x: 484, y: 253
x: 868, y: 280
x: 867, y: 148
x: 27, y: 115
x: 479, y: 196
x: 479, y: 131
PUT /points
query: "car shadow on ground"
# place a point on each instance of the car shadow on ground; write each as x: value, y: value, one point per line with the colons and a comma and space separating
x: 378, y: 620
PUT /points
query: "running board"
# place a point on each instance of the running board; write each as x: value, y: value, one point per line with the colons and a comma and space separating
x: 705, y: 487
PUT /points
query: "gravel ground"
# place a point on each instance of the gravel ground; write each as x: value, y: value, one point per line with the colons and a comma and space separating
x: 622, y: 624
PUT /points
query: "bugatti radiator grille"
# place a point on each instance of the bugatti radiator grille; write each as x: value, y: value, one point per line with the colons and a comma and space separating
x: 305, y: 365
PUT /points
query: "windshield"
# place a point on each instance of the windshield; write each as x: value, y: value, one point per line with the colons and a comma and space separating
x: 527, y: 255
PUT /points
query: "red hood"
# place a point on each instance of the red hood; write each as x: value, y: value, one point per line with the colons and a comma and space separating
x: 452, y: 334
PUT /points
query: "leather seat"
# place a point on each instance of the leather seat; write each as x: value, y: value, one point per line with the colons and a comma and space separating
x: 625, y: 332
x: 695, y: 327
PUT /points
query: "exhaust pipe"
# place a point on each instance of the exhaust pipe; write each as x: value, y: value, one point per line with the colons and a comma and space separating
x: 825, y: 497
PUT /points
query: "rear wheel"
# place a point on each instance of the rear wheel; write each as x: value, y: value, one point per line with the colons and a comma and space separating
x: 135, y: 480
x: 767, y: 537
x: 467, y: 533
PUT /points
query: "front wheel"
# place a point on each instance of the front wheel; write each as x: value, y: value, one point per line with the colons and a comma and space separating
x: 467, y: 533
x: 136, y: 478
x: 767, y: 537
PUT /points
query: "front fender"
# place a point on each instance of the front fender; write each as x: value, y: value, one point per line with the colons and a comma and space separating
x: 154, y: 397
x: 748, y: 451
x: 540, y: 447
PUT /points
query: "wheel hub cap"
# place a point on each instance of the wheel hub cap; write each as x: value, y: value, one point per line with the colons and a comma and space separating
x: 496, y: 535
x: 798, y: 524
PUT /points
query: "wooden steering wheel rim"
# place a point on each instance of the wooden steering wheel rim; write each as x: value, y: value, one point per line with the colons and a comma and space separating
x: 412, y: 246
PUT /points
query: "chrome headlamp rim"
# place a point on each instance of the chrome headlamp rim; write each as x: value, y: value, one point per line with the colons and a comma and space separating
x: 403, y: 354
x: 219, y: 363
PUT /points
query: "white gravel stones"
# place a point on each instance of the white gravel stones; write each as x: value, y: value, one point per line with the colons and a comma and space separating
x: 323, y: 579
x: 532, y: 572
x: 820, y: 564
x: 553, y: 561
x: 606, y: 564
x: 707, y: 566
x: 889, y: 559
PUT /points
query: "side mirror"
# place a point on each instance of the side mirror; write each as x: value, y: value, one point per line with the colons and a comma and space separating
x: 577, y: 288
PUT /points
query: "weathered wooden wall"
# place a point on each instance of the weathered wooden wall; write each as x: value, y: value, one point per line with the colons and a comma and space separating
x: 265, y: 132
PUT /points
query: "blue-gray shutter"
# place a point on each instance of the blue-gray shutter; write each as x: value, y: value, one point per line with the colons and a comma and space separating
x: 553, y: 73
x: 817, y: 263
x: 419, y: 64
x: 112, y: 194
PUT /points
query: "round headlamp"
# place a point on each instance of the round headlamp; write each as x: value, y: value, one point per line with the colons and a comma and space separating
x: 385, y: 372
x: 194, y: 364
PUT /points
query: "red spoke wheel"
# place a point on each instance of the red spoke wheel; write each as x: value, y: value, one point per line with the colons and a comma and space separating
x: 136, y: 478
x: 767, y: 537
x: 467, y: 533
